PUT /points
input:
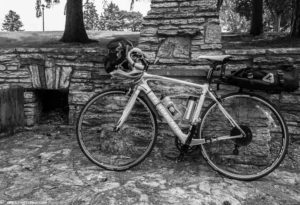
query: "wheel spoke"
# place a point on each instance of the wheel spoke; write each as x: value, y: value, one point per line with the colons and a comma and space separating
x: 110, y: 149
x: 259, y: 152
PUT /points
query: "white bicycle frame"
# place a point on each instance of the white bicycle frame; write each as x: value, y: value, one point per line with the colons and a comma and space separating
x: 143, y: 86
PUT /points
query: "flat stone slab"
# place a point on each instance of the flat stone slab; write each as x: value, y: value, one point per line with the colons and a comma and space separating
x: 46, y: 166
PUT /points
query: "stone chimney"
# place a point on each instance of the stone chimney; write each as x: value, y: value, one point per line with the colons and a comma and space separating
x: 176, y: 32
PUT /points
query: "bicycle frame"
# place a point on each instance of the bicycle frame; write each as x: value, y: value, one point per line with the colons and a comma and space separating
x: 142, y: 86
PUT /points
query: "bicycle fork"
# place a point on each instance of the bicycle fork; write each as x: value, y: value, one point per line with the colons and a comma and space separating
x: 127, y: 109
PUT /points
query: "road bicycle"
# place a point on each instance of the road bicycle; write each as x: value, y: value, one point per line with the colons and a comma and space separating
x: 241, y: 135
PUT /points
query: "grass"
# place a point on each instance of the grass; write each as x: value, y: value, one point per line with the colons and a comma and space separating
x: 271, y: 40
x: 51, y: 39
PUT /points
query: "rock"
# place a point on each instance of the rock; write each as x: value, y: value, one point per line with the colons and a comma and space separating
x: 34, y: 70
x: 10, y: 168
x: 2, y: 67
x: 106, y: 186
x: 23, y: 185
x: 213, y: 34
x: 66, y: 178
x: 283, y: 177
x: 175, y: 47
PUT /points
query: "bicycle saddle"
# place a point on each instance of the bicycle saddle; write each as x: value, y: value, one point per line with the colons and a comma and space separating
x: 219, y: 58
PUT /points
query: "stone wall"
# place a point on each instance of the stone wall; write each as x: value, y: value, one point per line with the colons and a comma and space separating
x: 80, y: 70
x: 272, y: 58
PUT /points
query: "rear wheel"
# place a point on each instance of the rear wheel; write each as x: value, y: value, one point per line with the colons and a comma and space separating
x: 253, y: 156
x: 110, y: 149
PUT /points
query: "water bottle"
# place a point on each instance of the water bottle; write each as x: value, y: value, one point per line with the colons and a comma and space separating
x: 191, y: 104
x: 167, y: 102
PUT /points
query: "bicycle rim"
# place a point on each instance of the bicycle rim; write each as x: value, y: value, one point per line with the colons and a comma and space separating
x: 116, y: 150
x: 254, y: 156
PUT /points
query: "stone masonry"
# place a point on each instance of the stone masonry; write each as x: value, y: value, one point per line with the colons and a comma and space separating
x: 176, y: 32
x: 81, y: 72
x: 78, y: 70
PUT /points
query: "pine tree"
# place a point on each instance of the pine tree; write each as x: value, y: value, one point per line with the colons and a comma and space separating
x: 90, y: 16
x: 12, y: 22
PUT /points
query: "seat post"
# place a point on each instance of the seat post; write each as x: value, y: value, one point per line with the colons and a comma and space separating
x: 223, y: 69
x: 211, y: 71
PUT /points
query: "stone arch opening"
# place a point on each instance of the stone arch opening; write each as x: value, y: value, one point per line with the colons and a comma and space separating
x: 54, y: 106
x: 44, y: 106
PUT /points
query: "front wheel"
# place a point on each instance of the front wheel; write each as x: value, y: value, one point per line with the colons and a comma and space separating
x: 110, y: 149
x: 253, y: 156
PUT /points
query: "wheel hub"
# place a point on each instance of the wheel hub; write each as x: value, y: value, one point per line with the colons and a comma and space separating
x: 245, y: 140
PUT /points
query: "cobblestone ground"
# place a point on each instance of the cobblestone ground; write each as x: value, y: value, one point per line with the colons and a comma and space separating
x: 45, y: 166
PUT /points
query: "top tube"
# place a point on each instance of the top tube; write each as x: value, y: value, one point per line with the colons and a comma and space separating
x: 149, y: 77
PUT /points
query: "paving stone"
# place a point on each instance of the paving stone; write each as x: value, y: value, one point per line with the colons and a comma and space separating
x: 22, y: 185
x: 10, y: 168
x: 69, y: 178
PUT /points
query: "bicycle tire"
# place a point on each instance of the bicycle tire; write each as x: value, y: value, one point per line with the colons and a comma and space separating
x: 254, y: 156
x: 111, y: 150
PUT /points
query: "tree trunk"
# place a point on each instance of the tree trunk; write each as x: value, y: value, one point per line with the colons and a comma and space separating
x: 219, y: 4
x: 74, y: 28
x: 295, y: 31
x: 257, y: 18
x: 277, y: 22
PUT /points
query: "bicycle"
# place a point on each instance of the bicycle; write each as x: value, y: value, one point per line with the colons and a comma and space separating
x: 241, y: 135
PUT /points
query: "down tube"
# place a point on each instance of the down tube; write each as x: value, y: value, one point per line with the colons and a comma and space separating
x: 165, y: 114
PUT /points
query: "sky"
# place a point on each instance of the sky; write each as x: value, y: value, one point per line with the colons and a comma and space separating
x: 54, y: 17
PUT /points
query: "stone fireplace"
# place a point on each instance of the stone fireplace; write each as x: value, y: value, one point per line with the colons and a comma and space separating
x: 176, y: 32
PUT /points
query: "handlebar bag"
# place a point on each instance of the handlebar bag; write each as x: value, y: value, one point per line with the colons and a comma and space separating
x: 285, y: 78
x: 116, y: 57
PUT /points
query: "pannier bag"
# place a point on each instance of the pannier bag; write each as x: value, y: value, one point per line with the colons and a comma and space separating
x: 116, y: 57
x: 285, y: 78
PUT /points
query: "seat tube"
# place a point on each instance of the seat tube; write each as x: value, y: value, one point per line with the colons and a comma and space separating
x: 127, y: 109
x: 196, y: 115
